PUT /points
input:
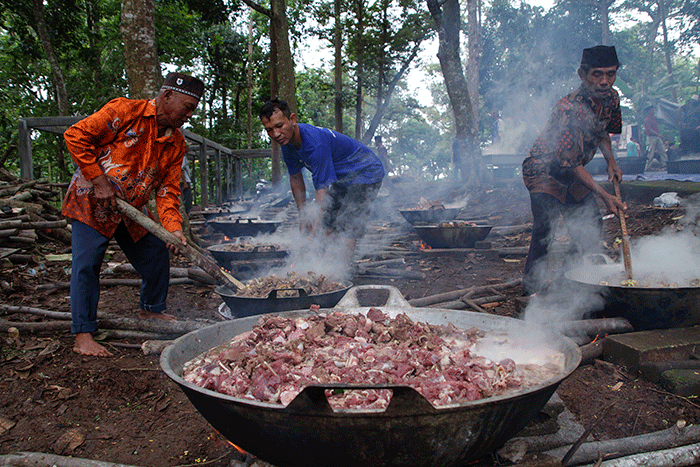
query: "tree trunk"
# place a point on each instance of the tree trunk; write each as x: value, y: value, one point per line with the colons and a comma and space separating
x: 138, y: 32
x: 474, y: 32
x: 359, y: 71
x: 338, y: 66
x: 663, y: 12
x: 465, y: 149
x: 603, y: 10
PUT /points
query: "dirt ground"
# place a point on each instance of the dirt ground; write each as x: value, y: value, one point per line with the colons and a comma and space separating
x: 125, y: 410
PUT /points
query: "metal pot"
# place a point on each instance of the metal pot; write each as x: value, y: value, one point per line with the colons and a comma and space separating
x: 410, y: 432
x: 458, y: 236
x: 248, y: 306
x: 243, y: 227
x: 224, y: 256
x: 644, y: 307
x: 431, y: 215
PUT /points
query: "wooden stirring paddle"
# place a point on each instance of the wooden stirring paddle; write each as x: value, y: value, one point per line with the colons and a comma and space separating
x: 190, y: 251
x: 625, y: 236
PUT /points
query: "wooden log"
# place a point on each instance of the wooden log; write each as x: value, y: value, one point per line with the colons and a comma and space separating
x: 5, y: 233
x: 43, y: 326
x: 7, y: 309
x: 456, y: 294
x: 154, y: 346
x: 40, y: 459
x: 110, y: 282
x: 593, y: 327
x: 152, y: 325
x: 136, y: 334
x: 592, y: 351
x: 10, y: 191
x: 462, y: 304
x: 45, y: 224
x: 11, y: 224
x: 669, y: 438
x: 207, y: 264
x: 19, y: 258
x: 677, y: 457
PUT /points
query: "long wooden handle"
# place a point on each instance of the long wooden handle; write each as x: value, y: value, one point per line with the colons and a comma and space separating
x: 207, y: 264
x: 626, y: 256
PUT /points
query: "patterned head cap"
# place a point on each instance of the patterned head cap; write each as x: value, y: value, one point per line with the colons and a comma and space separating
x: 185, y: 84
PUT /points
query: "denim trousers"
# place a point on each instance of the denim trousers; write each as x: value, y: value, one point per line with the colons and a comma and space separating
x: 149, y: 256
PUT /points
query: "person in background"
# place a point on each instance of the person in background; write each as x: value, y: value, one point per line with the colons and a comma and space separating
x: 346, y: 174
x: 127, y: 149
x: 383, y: 154
x: 633, y: 148
x: 497, y: 127
x: 554, y: 171
x: 186, y: 185
x: 655, y: 143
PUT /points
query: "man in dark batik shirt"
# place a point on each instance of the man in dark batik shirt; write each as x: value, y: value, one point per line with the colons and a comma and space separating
x: 554, y: 170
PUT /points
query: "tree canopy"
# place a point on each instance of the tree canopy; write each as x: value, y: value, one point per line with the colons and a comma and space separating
x: 67, y: 57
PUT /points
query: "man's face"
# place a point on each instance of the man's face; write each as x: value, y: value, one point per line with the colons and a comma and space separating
x: 177, y: 109
x: 599, y: 80
x: 280, y: 127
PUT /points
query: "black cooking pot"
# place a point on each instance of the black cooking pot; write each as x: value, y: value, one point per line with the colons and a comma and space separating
x: 248, y: 306
x: 410, y: 432
x: 644, y: 307
x: 223, y: 255
x: 457, y: 236
x: 243, y: 227
x: 431, y: 215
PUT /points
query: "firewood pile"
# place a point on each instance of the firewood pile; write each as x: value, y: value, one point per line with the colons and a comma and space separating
x: 30, y: 212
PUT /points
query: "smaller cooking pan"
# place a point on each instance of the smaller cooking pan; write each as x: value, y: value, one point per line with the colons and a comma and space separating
x: 452, y: 236
x: 248, y: 306
x: 243, y: 227
x: 224, y: 255
x: 431, y: 215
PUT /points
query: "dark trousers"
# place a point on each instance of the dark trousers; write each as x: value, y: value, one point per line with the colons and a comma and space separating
x: 149, y: 256
x: 583, y: 222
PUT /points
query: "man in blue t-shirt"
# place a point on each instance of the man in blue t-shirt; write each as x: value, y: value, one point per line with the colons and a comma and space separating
x: 346, y: 174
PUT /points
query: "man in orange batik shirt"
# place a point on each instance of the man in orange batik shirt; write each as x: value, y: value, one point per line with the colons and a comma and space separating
x: 127, y: 149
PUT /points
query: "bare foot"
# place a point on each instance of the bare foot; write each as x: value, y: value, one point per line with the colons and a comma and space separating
x: 149, y: 314
x: 86, y: 345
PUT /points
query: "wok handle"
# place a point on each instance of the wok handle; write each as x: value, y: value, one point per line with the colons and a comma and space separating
x: 312, y: 400
x: 273, y: 293
x: 350, y: 299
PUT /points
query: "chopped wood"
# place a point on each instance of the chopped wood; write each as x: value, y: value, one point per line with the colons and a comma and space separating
x: 462, y: 304
x: 110, y: 282
x: 154, y: 346
x: 7, y: 309
x: 135, y: 334
x: 456, y: 294
x: 664, y: 439
x: 593, y: 327
x: 592, y: 351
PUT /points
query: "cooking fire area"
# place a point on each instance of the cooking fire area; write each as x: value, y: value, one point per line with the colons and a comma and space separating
x: 630, y: 392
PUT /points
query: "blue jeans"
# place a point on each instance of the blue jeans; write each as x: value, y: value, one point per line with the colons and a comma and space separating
x: 149, y: 256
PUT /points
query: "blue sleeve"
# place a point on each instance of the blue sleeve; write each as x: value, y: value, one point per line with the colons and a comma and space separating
x: 291, y: 160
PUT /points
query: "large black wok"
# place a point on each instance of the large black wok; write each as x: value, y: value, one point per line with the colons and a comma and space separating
x: 248, y: 306
x: 644, y: 307
x: 431, y: 215
x: 411, y: 432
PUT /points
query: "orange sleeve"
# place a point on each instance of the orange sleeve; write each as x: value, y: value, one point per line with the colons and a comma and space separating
x: 85, y: 136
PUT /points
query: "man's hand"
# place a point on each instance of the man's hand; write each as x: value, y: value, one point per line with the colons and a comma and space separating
x: 105, y: 194
x: 183, y: 240
x: 615, y: 205
x: 614, y: 172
